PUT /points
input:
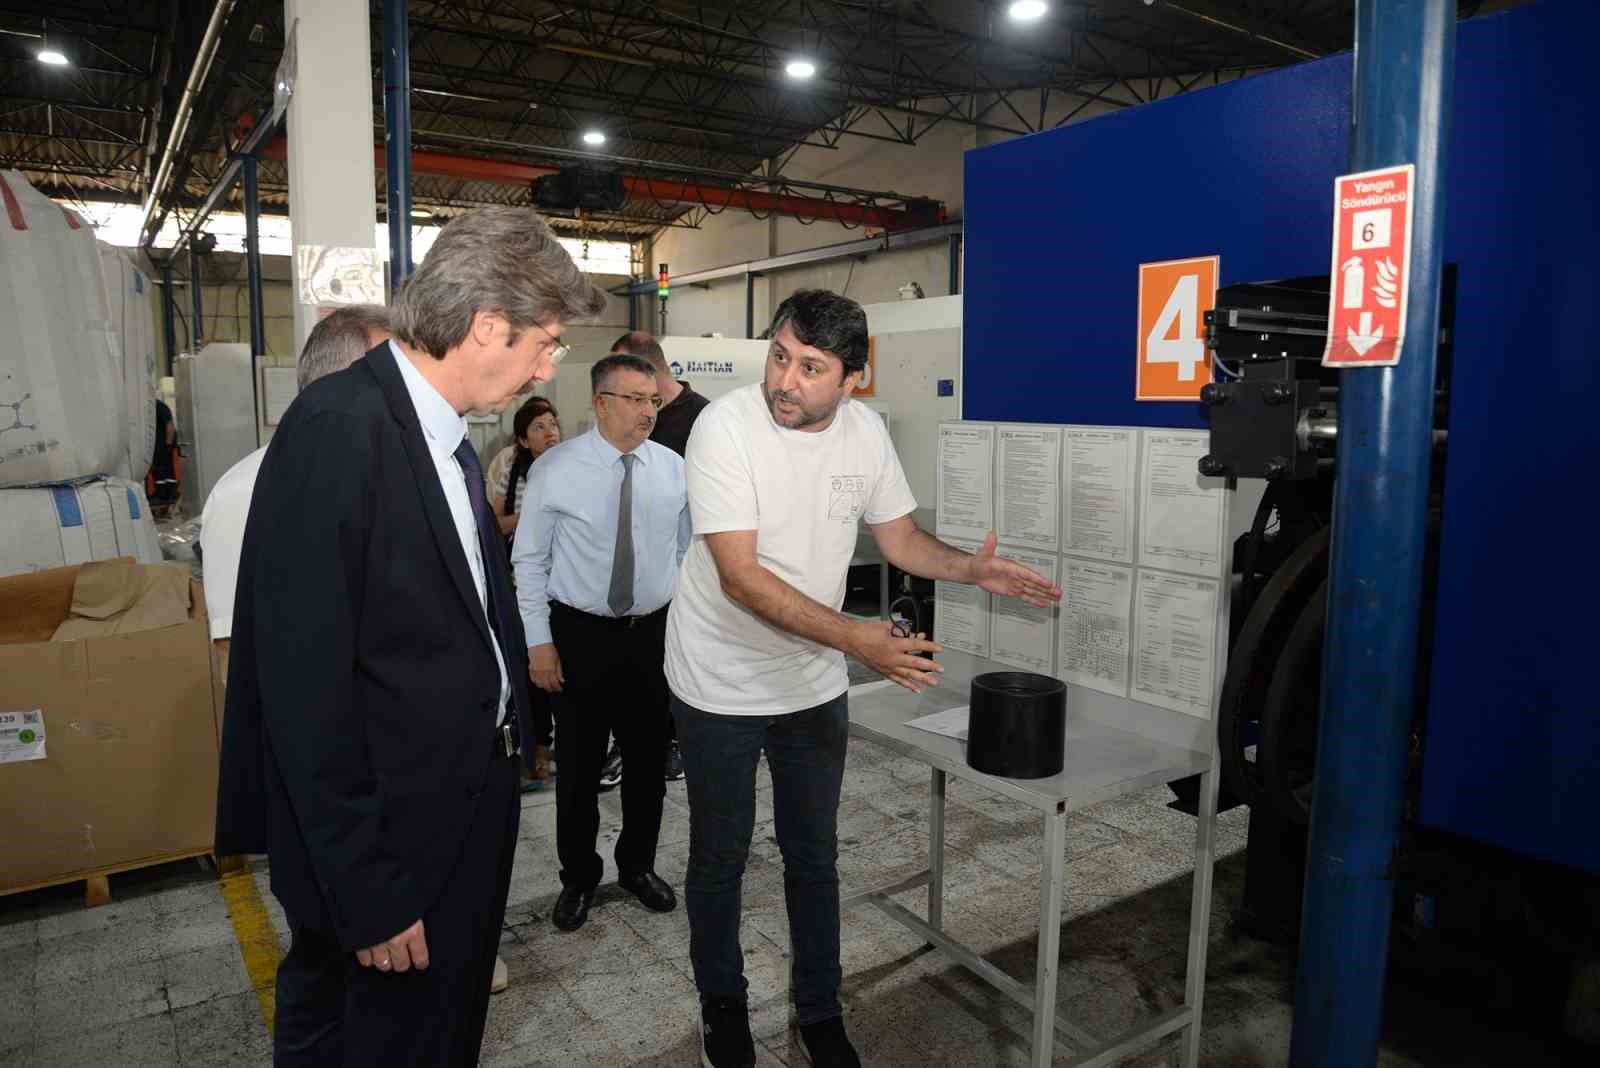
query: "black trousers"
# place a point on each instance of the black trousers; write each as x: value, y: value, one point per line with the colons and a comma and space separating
x: 614, y: 684
x: 333, y: 1013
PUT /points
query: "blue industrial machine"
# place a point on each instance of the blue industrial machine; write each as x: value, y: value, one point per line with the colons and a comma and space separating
x: 1507, y: 728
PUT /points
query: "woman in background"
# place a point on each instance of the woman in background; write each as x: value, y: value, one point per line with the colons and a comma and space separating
x: 536, y: 428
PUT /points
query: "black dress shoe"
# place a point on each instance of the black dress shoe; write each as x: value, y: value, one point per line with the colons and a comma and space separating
x: 651, y: 891
x: 572, y: 908
x: 826, y: 1045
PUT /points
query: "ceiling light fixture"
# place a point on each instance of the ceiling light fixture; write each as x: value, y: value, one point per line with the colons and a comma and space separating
x: 594, y: 137
x: 1027, y: 10
x: 421, y: 213
x: 800, y: 69
x: 51, y: 58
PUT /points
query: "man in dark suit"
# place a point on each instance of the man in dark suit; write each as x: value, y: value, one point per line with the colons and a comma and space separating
x: 376, y: 692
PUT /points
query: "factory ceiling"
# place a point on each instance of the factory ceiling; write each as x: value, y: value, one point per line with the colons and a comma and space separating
x: 690, y: 95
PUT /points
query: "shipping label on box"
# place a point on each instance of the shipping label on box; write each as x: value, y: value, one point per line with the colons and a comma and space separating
x: 21, y: 736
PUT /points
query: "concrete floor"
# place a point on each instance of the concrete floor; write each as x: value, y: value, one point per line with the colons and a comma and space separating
x: 157, y: 978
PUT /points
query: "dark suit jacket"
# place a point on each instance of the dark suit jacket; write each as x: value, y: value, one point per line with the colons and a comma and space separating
x: 362, y: 684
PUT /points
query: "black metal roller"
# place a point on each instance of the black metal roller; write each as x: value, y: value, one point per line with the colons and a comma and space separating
x: 1293, y: 713
x: 1254, y: 656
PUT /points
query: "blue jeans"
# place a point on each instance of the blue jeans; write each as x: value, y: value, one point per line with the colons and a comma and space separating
x: 805, y: 751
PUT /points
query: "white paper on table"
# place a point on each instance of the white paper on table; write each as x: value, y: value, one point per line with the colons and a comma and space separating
x: 961, y: 612
x: 1181, y: 513
x: 952, y: 722
x: 1101, y: 465
x: 1021, y: 635
x: 1175, y: 634
x: 1030, y: 487
x: 1096, y: 618
x: 966, y: 481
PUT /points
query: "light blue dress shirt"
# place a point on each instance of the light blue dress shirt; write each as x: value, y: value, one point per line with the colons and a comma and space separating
x: 566, y: 538
x: 442, y: 429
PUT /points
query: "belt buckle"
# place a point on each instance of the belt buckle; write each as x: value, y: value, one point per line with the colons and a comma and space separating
x: 509, y: 741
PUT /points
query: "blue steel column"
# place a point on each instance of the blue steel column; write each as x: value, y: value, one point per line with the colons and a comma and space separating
x: 1405, y: 52
x: 197, y: 325
x: 166, y: 316
x: 252, y: 261
x: 397, y: 136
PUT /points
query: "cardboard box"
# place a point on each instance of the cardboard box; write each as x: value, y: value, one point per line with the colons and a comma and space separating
x: 128, y: 726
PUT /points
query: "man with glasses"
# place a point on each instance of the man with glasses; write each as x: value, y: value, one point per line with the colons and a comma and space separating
x: 596, y: 557
x: 376, y: 692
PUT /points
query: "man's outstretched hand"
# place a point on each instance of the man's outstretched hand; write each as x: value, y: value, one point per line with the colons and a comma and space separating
x: 895, y: 658
x: 1010, y: 579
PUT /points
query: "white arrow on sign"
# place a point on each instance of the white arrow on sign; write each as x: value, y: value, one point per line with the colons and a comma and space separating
x: 1367, y: 338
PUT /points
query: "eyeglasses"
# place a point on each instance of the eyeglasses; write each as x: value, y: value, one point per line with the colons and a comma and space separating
x: 654, y: 400
x: 560, y: 352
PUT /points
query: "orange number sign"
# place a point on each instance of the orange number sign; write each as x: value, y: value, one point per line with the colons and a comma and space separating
x: 1173, y: 299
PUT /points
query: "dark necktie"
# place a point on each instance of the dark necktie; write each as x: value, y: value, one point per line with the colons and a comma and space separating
x: 620, y: 596
x: 490, y: 540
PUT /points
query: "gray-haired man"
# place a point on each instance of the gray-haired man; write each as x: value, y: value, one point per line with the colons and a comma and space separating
x: 376, y: 686
x: 339, y: 340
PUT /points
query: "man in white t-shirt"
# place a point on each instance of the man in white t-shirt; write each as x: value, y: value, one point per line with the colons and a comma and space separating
x: 779, y: 475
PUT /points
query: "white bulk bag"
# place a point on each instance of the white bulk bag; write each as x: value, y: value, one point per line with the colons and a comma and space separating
x: 134, y: 336
x: 55, y: 526
x: 62, y: 412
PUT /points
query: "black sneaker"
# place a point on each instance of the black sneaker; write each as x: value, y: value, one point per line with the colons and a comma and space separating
x: 826, y: 1045
x: 725, y: 1040
x: 611, y: 770
x: 674, y: 762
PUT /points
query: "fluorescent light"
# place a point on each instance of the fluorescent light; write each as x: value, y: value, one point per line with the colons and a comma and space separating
x: 421, y: 213
x: 594, y: 137
x: 51, y: 58
x: 800, y: 69
x: 1028, y: 10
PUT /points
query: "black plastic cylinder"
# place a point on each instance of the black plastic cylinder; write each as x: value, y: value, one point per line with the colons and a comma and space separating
x: 1018, y: 725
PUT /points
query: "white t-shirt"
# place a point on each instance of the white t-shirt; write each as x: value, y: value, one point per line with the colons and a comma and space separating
x: 804, y: 494
x: 222, y: 539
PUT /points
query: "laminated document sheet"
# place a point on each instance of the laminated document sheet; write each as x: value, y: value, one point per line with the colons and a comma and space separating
x: 1182, y: 514
x: 966, y: 481
x: 1096, y: 618
x: 1030, y: 487
x: 1101, y: 466
x: 961, y: 612
x: 1175, y: 642
x: 1021, y: 635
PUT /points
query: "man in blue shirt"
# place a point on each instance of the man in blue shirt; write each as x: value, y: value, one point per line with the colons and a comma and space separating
x: 596, y: 560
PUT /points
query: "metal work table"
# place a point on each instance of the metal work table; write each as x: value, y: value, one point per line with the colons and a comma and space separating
x: 1102, y: 762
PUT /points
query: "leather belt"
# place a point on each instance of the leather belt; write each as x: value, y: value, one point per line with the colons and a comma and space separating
x: 613, y: 622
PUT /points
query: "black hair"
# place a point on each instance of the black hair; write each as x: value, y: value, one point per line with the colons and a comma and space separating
x: 828, y: 322
x: 617, y: 361
x: 531, y: 409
